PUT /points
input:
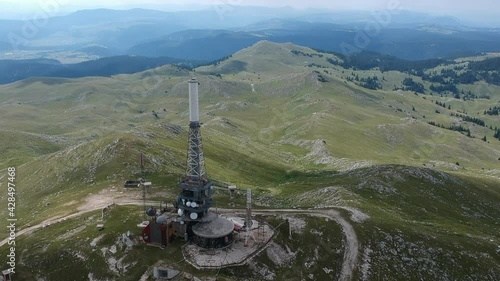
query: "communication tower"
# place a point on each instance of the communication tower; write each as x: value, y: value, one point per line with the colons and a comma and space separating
x: 194, y: 199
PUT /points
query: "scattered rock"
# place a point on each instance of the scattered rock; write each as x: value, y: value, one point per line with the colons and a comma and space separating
x: 319, y: 154
x: 297, y: 224
x: 279, y: 255
x: 365, y: 266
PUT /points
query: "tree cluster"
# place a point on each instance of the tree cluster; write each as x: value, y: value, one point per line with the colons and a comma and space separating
x: 451, y: 76
x: 470, y: 119
x: 442, y: 104
x: 315, y: 65
x: 366, y: 60
x: 492, y: 64
x: 216, y: 62
x: 491, y: 77
x: 320, y: 77
x: 443, y: 88
x: 410, y: 85
x: 332, y: 61
x: 492, y: 111
x: 457, y: 128
x: 297, y: 52
x: 372, y: 83
x: 497, y: 134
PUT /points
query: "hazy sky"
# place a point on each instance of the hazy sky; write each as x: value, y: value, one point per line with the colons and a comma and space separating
x: 463, y: 8
x: 453, y: 5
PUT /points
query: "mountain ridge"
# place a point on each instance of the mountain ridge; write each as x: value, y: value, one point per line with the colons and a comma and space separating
x: 15, y: 70
x: 289, y: 122
x: 143, y: 32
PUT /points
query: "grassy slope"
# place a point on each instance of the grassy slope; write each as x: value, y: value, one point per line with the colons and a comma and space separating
x: 78, y: 261
x: 286, y: 138
x: 423, y: 224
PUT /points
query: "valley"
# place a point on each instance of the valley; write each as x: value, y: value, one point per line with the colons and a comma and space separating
x: 388, y: 194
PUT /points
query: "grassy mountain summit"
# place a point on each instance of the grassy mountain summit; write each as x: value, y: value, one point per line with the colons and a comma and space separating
x: 409, y: 170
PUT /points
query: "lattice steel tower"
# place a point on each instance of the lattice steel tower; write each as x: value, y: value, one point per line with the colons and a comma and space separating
x: 194, y: 199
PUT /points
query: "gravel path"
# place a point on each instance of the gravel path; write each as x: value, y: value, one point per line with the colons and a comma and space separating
x: 351, y: 251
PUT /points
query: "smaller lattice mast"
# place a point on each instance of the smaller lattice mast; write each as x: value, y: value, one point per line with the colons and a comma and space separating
x: 248, y: 221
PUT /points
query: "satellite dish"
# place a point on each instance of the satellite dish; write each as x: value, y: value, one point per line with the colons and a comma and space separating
x: 194, y: 205
x: 193, y: 216
x: 188, y: 204
x: 151, y: 212
x: 161, y: 220
x: 180, y: 212
x: 182, y: 222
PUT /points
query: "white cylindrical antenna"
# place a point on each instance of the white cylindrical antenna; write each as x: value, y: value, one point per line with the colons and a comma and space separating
x: 194, y: 112
x: 193, y: 216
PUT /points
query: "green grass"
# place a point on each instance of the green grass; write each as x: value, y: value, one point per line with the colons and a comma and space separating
x: 17, y: 148
x: 70, y: 254
x: 287, y: 140
x: 60, y: 255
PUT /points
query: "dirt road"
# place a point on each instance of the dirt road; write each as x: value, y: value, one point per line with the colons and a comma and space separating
x: 351, y: 251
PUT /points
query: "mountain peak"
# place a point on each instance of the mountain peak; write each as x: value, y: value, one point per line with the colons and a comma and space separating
x: 268, y: 57
x: 266, y: 47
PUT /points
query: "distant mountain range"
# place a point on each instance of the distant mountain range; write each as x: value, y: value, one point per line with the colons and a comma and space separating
x: 14, y: 70
x: 212, y: 34
x: 422, y: 43
x: 408, y: 159
x: 191, y: 55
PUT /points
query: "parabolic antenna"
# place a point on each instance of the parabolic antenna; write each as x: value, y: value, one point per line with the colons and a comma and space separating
x: 161, y: 220
x: 151, y: 212
x: 193, y: 216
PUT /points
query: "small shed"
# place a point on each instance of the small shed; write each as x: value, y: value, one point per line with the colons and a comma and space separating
x: 163, y: 273
x: 132, y: 184
x: 6, y: 275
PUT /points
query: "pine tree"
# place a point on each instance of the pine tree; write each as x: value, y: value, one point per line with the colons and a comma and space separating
x: 497, y: 134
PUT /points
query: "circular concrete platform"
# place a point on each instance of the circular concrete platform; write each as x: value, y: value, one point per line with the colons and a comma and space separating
x: 213, y: 226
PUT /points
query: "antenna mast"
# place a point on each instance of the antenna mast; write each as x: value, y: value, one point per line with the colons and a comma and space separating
x: 143, y: 186
x: 196, y: 189
x: 249, y: 222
